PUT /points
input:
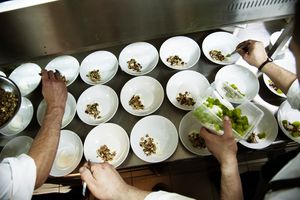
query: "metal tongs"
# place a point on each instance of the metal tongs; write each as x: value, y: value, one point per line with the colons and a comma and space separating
x: 244, y: 47
x: 85, y: 190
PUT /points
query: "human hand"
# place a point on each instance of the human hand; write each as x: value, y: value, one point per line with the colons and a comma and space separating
x: 54, y: 90
x: 253, y: 52
x: 223, y: 147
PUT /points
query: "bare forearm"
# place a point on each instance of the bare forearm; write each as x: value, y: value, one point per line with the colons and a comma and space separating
x: 281, y: 77
x: 44, y: 147
x: 135, y: 193
x: 231, y: 187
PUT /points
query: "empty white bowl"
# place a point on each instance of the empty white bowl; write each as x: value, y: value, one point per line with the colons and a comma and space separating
x: 164, y: 133
x: 268, y: 125
x: 273, y: 38
x: 186, y: 81
x: 27, y: 77
x: 286, y: 64
x: 104, y: 61
x: 70, y: 111
x: 286, y: 112
x: 16, y: 147
x: 111, y: 135
x: 21, y: 120
x: 144, y: 53
x: 189, y: 124
x: 149, y: 90
x: 107, y: 100
x: 69, y: 154
x: 240, y: 76
x: 67, y: 65
x: 224, y: 42
x: 184, y: 47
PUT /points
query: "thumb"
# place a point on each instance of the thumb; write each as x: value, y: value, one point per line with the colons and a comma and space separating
x: 227, y: 126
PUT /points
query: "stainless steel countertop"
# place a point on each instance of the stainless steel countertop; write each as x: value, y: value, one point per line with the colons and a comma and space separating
x: 259, y: 31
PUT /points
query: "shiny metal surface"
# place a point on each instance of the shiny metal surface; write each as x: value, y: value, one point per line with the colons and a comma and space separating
x: 69, y: 26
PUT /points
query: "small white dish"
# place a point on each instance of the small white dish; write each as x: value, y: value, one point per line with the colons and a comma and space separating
x: 224, y: 42
x: 164, y: 133
x: 286, y: 64
x: 21, y: 120
x: 70, y: 111
x: 189, y: 124
x: 111, y: 135
x: 268, y: 125
x: 245, y: 80
x: 273, y: 38
x: 2, y: 74
x: 69, y: 154
x: 16, y: 147
x: 104, y: 61
x: 186, y: 81
x: 286, y: 112
x: 107, y: 100
x: 184, y: 47
x: 26, y: 77
x: 149, y: 90
x: 67, y: 65
x: 144, y: 53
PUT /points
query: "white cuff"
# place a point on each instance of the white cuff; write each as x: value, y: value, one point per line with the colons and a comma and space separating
x: 162, y: 195
x: 293, y: 95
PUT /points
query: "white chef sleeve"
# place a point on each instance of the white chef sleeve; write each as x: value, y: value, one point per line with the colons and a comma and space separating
x: 162, y: 195
x: 293, y: 95
x: 18, y: 176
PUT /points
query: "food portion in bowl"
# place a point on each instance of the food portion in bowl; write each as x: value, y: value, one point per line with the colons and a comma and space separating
x: 256, y: 137
x: 94, y: 75
x: 185, y: 99
x: 93, y: 110
x: 196, y: 140
x: 232, y: 91
x: 293, y: 128
x: 148, y: 145
x: 8, y: 105
x: 217, y: 55
x: 134, y: 65
x: 272, y: 85
x: 136, y: 103
x: 105, y: 153
x: 175, y: 61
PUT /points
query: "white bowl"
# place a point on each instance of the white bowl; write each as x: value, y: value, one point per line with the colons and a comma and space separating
x: 144, y: 53
x: 189, y: 124
x: 2, y: 73
x: 111, y: 135
x: 243, y: 78
x: 21, y: 120
x: 186, y: 81
x: 68, y: 155
x: 164, y: 133
x: 273, y: 38
x: 104, y: 61
x: 68, y: 66
x: 107, y: 100
x: 221, y: 41
x: 16, y: 147
x: 267, y: 124
x: 27, y: 77
x: 184, y: 47
x: 286, y: 64
x: 70, y: 111
x: 149, y: 90
x: 286, y: 112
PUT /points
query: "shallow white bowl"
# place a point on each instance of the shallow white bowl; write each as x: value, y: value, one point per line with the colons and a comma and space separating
x: 184, y: 47
x: 21, y: 120
x: 267, y: 124
x: 188, y: 80
x: 286, y: 112
x: 286, y: 64
x: 16, y: 147
x: 27, y: 77
x: 68, y: 155
x: 150, y: 91
x: 164, y: 133
x: 67, y: 65
x: 107, y: 99
x: 2, y: 73
x: 224, y: 42
x: 144, y: 53
x: 187, y: 125
x: 104, y: 61
x: 111, y: 135
x: 273, y: 38
x: 243, y: 78
x: 70, y: 111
